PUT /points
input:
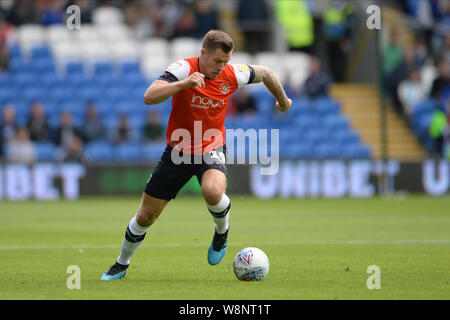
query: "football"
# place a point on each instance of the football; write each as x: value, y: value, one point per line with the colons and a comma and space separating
x: 251, y: 264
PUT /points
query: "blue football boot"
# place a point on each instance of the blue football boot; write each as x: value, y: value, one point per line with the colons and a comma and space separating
x: 218, y: 248
x: 116, y: 271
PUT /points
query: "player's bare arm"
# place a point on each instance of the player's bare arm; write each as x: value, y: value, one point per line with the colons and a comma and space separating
x: 161, y: 90
x: 265, y: 75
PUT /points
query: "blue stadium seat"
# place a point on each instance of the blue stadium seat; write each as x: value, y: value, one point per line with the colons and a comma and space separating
x: 15, y: 52
x: 325, y: 106
x: 31, y: 94
x: 128, y: 152
x: 326, y: 150
x: 336, y: 122
x: 40, y: 51
x: 355, y: 151
x: 24, y: 79
x: 19, y: 66
x: 99, y: 152
x: 152, y: 151
x: 74, y: 67
x: 102, y: 68
x: 45, y: 151
x: 301, y: 107
x: 130, y: 67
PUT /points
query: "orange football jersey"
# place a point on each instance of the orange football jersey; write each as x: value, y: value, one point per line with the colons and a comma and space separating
x: 197, y: 120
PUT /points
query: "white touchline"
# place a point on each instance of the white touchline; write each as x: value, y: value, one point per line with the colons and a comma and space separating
x: 181, y: 245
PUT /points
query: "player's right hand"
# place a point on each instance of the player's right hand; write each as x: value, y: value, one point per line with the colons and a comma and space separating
x: 196, y: 79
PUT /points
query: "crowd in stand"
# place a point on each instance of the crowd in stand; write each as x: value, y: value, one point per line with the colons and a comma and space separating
x: 18, y: 140
x: 421, y: 71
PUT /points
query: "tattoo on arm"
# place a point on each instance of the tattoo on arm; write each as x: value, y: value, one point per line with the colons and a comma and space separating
x: 265, y: 75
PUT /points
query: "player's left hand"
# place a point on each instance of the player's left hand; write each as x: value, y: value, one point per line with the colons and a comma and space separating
x: 284, y: 106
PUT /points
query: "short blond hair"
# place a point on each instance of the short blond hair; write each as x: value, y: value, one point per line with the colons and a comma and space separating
x: 218, y: 39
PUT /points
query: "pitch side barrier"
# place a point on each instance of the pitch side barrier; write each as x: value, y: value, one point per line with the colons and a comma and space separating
x: 294, y: 179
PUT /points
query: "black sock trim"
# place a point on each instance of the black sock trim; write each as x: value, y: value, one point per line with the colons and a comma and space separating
x: 129, y: 236
x: 221, y: 214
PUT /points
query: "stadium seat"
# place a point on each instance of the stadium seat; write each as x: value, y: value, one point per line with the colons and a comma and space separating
x: 130, y: 67
x: 63, y: 51
x: 128, y: 152
x: 124, y: 50
x: 155, y: 47
x: 45, y: 151
x: 29, y: 35
x: 58, y: 33
x: 241, y: 58
x: 107, y: 16
x: 152, y: 151
x: 44, y: 66
x: 355, y: 151
x: 98, y: 152
x: 326, y: 150
x: 74, y: 67
x: 184, y: 47
x: 114, y: 32
x: 102, y: 68
x: 40, y: 51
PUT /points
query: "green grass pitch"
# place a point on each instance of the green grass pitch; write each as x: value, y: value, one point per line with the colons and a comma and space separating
x: 318, y: 249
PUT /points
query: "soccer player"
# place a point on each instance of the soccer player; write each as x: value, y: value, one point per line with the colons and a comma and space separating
x: 201, y: 88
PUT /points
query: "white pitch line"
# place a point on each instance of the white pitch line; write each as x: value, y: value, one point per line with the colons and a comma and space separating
x: 180, y: 245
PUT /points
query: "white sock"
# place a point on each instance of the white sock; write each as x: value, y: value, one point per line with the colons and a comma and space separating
x: 221, y: 213
x: 132, y: 241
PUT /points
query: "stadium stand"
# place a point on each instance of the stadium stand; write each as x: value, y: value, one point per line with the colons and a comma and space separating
x: 106, y: 64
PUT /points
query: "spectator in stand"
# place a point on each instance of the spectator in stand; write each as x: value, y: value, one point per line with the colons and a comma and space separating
x: 52, y: 12
x: 21, y: 149
x: 399, y: 74
x: 253, y: 20
x: 153, y: 129
x: 8, y: 125
x: 168, y: 13
x: 411, y: 91
x: 186, y: 25
x: 66, y: 132
x: 5, y: 31
x: 206, y: 16
x: 124, y: 132
x: 138, y: 15
x: 244, y: 103
x: 74, y: 151
x: 297, y: 23
x: 24, y: 12
x: 37, y: 123
x: 447, y: 132
x: 317, y: 83
x: 392, y: 54
x: 93, y: 128
x: 444, y: 51
x: 440, y: 89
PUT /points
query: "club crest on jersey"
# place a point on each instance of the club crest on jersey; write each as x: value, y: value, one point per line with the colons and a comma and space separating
x: 225, y: 87
x: 246, y: 257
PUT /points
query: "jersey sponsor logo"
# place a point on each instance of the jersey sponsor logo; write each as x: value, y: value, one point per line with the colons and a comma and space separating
x: 206, y: 102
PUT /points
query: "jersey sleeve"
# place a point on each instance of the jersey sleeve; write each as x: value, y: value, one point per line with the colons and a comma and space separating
x: 244, y: 74
x: 176, y: 71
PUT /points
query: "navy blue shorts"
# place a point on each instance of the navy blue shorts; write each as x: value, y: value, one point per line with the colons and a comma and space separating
x: 169, y: 176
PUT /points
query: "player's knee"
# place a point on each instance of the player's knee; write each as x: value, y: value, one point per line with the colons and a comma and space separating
x: 212, y: 194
